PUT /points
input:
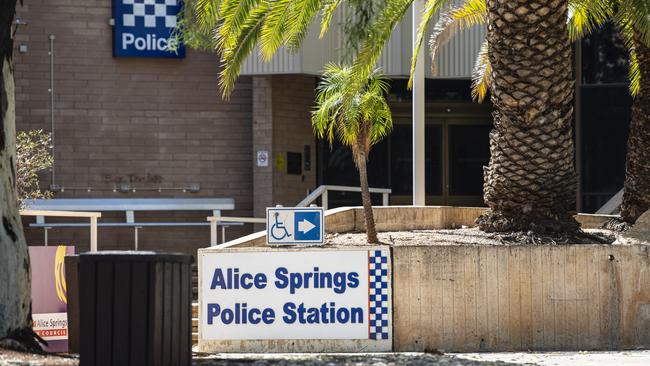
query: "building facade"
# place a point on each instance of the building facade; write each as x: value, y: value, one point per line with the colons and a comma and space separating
x: 130, y: 127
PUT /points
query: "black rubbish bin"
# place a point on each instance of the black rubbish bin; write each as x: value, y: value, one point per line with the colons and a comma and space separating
x: 135, y: 309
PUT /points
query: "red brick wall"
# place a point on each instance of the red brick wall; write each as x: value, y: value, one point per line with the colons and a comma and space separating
x: 161, y: 121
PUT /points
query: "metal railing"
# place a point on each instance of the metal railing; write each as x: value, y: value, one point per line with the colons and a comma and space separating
x: 612, y: 205
x: 321, y: 191
x: 217, y: 220
x: 41, y: 214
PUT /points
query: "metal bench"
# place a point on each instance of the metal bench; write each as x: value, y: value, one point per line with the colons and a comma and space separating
x: 129, y: 206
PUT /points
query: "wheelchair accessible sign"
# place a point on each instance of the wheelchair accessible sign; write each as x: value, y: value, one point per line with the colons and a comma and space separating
x: 294, y: 225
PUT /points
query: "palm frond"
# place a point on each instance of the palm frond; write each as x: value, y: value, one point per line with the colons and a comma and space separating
x: 629, y: 36
x: 274, y: 28
x: 378, y: 35
x: 637, y: 13
x: 585, y: 16
x: 234, y: 55
x: 234, y: 14
x: 430, y: 9
x: 329, y: 8
x: 481, y: 74
x: 205, y: 12
x: 634, y: 74
x: 301, y: 17
x: 471, y: 13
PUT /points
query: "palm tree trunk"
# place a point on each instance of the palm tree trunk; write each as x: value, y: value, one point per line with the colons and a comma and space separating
x: 530, y: 183
x: 15, y: 290
x: 371, y: 232
x: 636, y: 196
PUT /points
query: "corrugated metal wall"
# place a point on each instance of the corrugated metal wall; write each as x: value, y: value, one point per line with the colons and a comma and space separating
x: 454, y: 60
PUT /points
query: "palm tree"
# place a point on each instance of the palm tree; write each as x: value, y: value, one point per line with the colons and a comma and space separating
x: 15, y: 288
x: 530, y: 182
x: 357, y: 122
x: 586, y: 16
x: 632, y: 18
x: 636, y: 194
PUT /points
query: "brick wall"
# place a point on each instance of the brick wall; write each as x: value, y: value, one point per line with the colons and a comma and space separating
x: 293, y: 100
x: 262, y: 141
x: 155, y: 122
x: 281, y: 120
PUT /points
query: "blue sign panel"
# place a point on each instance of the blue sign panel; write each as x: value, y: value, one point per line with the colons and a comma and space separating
x: 297, y: 225
x: 143, y: 28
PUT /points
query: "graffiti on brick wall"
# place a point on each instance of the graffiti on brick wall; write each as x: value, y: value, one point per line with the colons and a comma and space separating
x: 132, y: 178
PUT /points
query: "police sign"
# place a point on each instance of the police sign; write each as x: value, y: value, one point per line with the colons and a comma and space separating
x: 315, y: 294
x: 143, y: 28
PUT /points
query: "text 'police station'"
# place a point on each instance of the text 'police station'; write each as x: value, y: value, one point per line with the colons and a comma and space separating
x: 327, y: 313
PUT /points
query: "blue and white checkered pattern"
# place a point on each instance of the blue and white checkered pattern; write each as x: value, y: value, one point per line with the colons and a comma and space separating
x: 151, y: 12
x: 378, y: 281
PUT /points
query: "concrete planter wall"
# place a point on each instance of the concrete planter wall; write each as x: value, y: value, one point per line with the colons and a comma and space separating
x: 574, y: 297
x: 506, y: 298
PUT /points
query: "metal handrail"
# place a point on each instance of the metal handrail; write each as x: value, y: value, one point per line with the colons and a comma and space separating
x: 612, y: 205
x: 93, y: 216
x: 215, y: 220
x: 322, y: 191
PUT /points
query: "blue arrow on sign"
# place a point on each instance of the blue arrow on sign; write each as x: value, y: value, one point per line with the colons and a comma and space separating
x: 307, y: 225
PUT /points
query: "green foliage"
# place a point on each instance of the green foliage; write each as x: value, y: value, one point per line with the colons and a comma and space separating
x: 32, y: 157
x: 431, y: 8
x: 632, y: 18
x: 360, y: 17
x: 358, y: 122
x: 234, y: 27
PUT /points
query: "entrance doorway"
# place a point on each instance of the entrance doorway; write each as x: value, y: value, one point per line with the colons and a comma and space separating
x: 456, y: 149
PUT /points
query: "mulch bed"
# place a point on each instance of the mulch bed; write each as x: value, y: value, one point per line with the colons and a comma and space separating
x: 471, y: 236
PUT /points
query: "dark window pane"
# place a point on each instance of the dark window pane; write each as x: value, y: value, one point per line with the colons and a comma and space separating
x: 339, y: 169
x: 402, y: 160
x: 604, y: 57
x: 435, y: 89
x: 469, y: 152
x: 605, y: 124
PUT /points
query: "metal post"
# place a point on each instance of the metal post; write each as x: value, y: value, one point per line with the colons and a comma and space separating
x: 51, y: 90
x: 93, y: 234
x: 45, y: 229
x: 223, y: 234
x: 384, y: 199
x: 214, y: 239
x: 577, y: 117
x: 213, y: 233
x: 135, y: 242
x: 418, y: 113
x: 324, y: 199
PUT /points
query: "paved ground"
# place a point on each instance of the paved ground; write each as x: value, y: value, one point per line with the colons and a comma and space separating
x: 312, y: 359
x: 627, y: 358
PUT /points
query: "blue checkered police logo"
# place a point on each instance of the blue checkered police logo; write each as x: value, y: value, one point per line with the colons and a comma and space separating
x: 378, y: 295
x: 143, y: 28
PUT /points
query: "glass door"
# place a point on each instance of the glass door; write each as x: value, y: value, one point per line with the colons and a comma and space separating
x: 468, y: 151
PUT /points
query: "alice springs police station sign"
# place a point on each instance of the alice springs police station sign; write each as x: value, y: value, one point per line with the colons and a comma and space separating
x: 307, y: 299
x: 143, y: 28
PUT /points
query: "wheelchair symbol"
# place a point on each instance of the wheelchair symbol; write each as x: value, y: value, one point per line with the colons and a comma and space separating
x: 278, y: 231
